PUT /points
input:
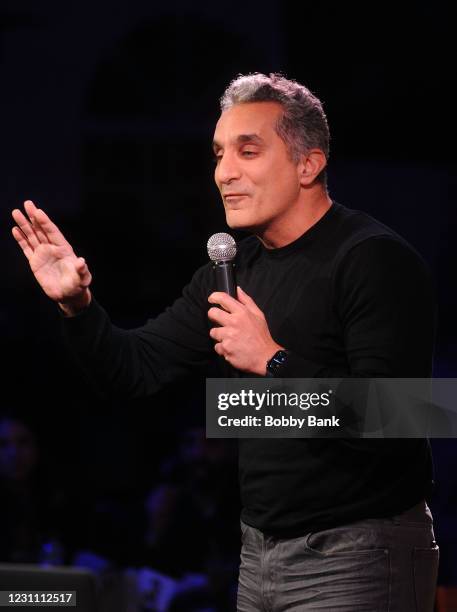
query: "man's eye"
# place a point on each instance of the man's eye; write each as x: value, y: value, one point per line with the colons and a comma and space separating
x: 248, y: 153
x: 217, y: 158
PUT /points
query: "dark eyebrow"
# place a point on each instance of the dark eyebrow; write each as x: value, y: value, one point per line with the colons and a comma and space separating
x: 242, y: 139
x: 254, y: 138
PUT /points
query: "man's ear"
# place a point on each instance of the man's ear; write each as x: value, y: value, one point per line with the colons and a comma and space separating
x: 311, y: 165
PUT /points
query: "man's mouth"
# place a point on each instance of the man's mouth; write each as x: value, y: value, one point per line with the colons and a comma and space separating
x: 233, y: 198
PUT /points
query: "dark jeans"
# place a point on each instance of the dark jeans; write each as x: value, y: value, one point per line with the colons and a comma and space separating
x: 374, y: 565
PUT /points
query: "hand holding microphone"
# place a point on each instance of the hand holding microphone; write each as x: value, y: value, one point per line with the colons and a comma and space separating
x: 243, y: 337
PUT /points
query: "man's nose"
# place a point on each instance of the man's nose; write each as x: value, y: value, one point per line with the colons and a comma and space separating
x: 227, y: 169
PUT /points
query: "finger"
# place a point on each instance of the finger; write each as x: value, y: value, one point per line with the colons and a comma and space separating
x: 219, y: 316
x: 39, y: 232
x: 31, y: 209
x: 86, y: 281
x: 226, y: 301
x: 83, y: 271
x: 80, y: 264
x: 216, y: 333
x: 247, y: 300
x: 85, y: 278
x: 22, y: 242
x: 53, y: 234
x: 26, y: 228
x: 219, y: 349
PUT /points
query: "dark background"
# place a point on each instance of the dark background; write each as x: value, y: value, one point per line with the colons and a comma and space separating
x: 107, y: 112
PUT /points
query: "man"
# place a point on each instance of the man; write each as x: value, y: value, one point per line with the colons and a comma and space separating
x: 324, y: 292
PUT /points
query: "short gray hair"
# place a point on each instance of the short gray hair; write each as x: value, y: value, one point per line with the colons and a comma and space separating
x: 303, y: 124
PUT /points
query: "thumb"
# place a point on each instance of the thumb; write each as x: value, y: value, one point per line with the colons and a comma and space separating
x: 247, y: 301
x: 81, y: 269
x: 85, y: 277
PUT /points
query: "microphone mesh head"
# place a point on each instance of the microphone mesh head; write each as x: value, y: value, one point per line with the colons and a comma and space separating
x: 221, y: 247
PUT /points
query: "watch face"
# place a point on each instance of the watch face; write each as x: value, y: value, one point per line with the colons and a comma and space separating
x: 274, y: 366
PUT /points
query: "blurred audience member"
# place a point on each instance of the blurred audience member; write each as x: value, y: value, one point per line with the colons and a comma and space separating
x: 31, y: 528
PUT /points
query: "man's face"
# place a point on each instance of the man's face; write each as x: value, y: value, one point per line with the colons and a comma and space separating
x: 258, y: 181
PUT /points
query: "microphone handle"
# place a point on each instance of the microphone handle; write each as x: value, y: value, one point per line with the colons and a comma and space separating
x: 225, y: 277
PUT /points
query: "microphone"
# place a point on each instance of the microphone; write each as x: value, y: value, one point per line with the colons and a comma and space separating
x: 222, y: 250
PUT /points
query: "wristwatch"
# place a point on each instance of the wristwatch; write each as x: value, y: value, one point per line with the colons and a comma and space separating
x: 276, y: 364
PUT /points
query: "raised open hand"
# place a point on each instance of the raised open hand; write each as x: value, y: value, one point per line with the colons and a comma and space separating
x: 63, y: 276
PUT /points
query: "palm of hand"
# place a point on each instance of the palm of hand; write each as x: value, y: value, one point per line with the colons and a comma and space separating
x: 63, y: 276
x: 54, y: 268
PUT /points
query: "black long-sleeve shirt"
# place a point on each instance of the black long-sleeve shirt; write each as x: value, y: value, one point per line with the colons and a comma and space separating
x: 347, y: 298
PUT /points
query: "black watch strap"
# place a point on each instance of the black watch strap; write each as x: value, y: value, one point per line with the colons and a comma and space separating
x: 276, y: 364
